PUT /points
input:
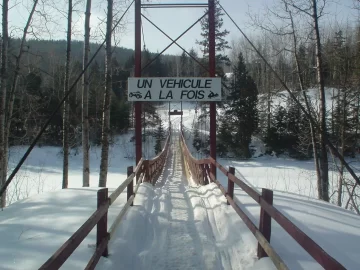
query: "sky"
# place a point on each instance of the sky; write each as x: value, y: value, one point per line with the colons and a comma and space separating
x: 172, y: 21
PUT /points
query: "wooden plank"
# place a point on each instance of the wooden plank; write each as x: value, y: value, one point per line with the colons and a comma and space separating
x: 249, y: 190
x: 154, y: 166
x: 223, y: 190
x: 130, y: 187
x: 305, y: 241
x: 97, y: 255
x: 278, y: 262
x: 219, y: 166
x: 299, y: 236
x: 230, y: 189
x: 125, y: 208
x: 120, y: 216
x: 319, y: 254
x: 141, y: 178
x: 270, y: 251
x: 265, y: 221
x: 64, y: 252
x: 138, y: 166
x: 101, y: 228
x: 120, y: 189
x: 187, y: 169
x: 198, y: 174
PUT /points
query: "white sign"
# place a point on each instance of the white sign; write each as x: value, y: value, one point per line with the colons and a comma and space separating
x: 174, y: 89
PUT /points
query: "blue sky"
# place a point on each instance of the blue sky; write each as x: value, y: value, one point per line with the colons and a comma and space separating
x: 172, y: 21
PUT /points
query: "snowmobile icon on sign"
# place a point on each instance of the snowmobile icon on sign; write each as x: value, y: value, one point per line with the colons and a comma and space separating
x: 135, y: 94
x: 213, y: 95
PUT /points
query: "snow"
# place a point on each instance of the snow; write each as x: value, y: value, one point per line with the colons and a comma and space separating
x: 174, y: 224
x: 34, y: 228
x: 286, y: 174
x: 280, y: 97
x: 42, y: 171
x: 333, y: 228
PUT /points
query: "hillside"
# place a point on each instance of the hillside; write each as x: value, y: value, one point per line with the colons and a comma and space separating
x: 46, y: 53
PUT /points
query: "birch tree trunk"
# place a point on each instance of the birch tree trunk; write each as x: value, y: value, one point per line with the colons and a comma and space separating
x: 66, y: 103
x: 11, y: 98
x: 107, y: 98
x: 85, y: 99
x: 342, y: 150
x: 268, y: 110
x: 324, y: 166
x: 3, y: 90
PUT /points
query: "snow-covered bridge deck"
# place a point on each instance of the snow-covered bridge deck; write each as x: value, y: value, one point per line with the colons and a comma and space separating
x: 174, y: 226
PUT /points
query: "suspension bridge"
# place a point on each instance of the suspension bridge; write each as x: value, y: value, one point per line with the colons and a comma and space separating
x: 171, y: 225
x: 174, y: 243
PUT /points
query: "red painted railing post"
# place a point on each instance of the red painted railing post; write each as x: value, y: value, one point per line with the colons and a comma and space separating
x: 130, y: 187
x: 231, y: 184
x: 101, y: 229
x: 265, y: 220
x: 137, y: 73
x: 212, y: 71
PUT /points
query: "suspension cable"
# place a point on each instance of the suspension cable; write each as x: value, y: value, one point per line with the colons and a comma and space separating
x: 142, y: 31
x: 150, y: 62
x: 184, y: 50
x: 32, y: 145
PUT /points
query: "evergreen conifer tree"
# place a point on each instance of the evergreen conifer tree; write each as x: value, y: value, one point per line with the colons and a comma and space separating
x: 159, y: 137
x: 220, y: 35
x: 224, y: 137
x: 184, y: 65
x: 197, y: 140
x: 192, y: 65
x: 241, y: 111
x: 287, y: 131
x: 221, y: 44
x: 275, y: 134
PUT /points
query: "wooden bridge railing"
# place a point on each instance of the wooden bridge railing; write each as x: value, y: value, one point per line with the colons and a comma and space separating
x: 200, y: 169
x: 155, y: 166
x: 196, y: 167
x: 145, y: 171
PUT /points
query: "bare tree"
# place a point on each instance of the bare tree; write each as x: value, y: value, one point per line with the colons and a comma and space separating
x: 310, y: 9
x: 342, y: 149
x: 324, y: 166
x: 85, y: 99
x: 107, y: 98
x: 66, y: 122
x: 288, y: 28
x: 307, y: 104
x: 14, y: 85
x: 3, y: 90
